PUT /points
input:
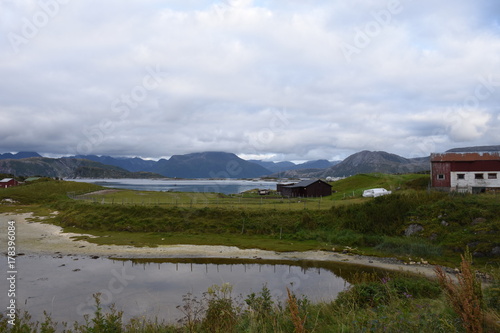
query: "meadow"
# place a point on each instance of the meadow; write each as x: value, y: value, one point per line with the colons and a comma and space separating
x: 373, y: 226
x: 451, y: 224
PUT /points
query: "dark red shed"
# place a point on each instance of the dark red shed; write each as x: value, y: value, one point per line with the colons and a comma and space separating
x: 8, y: 182
x: 306, y: 189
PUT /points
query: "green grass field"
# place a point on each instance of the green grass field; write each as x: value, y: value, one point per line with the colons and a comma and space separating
x: 373, y: 225
x: 346, y: 191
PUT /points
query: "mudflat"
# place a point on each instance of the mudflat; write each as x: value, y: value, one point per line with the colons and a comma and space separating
x: 49, y: 239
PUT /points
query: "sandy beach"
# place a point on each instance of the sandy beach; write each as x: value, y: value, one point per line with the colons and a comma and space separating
x: 48, y: 239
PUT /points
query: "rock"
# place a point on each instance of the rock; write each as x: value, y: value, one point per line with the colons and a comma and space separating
x: 413, y: 229
x: 478, y: 220
x: 433, y: 237
x: 495, y: 251
x: 473, y: 244
x: 444, y: 223
x: 478, y: 254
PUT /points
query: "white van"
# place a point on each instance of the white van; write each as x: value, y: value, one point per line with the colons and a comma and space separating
x: 375, y: 192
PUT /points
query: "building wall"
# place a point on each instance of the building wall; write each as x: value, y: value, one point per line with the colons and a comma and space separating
x: 446, y: 168
x: 475, y: 166
x: 440, y: 174
x: 469, y: 180
x: 318, y: 189
x: 10, y: 183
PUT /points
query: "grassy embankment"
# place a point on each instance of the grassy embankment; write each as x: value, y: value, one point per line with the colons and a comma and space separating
x: 372, y: 226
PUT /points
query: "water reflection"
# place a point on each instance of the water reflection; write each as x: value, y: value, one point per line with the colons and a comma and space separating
x: 226, y: 186
x: 64, y: 285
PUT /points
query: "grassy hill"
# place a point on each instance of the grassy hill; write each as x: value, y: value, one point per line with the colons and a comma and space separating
x: 358, y: 183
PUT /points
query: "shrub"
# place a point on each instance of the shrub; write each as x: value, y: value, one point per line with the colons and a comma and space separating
x: 222, y: 314
x: 465, y: 297
x: 409, y: 246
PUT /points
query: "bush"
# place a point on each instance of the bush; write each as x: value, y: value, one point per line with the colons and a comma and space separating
x: 373, y: 293
x: 221, y: 314
x: 410, y: 246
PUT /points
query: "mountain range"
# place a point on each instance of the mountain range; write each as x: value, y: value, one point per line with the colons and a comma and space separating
x: 210, y: 165
x: 66, y: 168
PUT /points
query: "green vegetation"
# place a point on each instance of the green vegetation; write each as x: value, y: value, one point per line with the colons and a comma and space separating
x: 399, y: 303
x: 447, y: 223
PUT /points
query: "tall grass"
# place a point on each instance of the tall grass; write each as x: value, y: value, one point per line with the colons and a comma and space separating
x: 465, y: 297
x: 398, y: 303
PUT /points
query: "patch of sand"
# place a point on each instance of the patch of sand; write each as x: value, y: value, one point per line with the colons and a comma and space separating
x: 42, y: 238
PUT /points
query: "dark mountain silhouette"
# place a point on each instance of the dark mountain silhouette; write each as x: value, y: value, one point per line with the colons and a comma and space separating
x: 66, y: 168
x: 377, y: 161
x: 209, y: 165
x: 318, y: 164
x: 275, y: 166
x: 474, y: 149
x: 17, y: 156
x: 365, y: 162
x: 133, y: 164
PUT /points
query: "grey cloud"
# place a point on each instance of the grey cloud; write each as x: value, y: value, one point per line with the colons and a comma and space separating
x: 228, y: 68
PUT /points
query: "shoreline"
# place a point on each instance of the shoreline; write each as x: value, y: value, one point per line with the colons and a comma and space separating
x: 48, y: 239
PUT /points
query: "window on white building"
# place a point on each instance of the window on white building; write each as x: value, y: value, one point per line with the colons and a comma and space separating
x: 492, y: 176
x: 478, y: 176
x: 461, y: 176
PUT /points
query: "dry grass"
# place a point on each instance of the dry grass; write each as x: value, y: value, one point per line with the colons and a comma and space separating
x: 465, y: 296
x: 297, y: 321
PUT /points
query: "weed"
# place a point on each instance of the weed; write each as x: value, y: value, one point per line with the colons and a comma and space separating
x: 297, y: 320
x: 466, y: 296
x: 193, y: 310
x: 221, y: 314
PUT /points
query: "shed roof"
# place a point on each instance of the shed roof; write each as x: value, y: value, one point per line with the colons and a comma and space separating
x: 6, y: 180
x: 30, y: 179
x: 465, y: 157
x: 306, y: 183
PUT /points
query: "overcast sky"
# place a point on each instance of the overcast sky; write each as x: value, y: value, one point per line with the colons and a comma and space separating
x: 275, y: 80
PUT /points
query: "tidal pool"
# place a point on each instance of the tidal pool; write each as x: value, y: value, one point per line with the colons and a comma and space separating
x: 63, y: 285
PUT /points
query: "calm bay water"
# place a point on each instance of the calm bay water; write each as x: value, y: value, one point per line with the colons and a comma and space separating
x: 226, y: 186
x: 64, y: 285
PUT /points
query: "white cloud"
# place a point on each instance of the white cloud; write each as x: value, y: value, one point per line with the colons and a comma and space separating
x: 228, y: 67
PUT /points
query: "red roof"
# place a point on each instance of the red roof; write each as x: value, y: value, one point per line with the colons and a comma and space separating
x: 465, y: 157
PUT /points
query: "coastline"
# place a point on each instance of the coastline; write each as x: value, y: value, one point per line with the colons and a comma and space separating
x: 47, y: 239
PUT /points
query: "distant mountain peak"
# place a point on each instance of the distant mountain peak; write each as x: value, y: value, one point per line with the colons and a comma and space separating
x: 376, y: 161
x: 474, y: 149
x: 209, y: 164
x: 19, y: 155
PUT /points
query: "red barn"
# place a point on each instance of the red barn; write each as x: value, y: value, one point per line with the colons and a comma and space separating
x: 472, y: 172
x: 8, y: 182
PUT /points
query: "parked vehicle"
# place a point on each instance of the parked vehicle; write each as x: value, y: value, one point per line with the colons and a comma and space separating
x: 375, y: 192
